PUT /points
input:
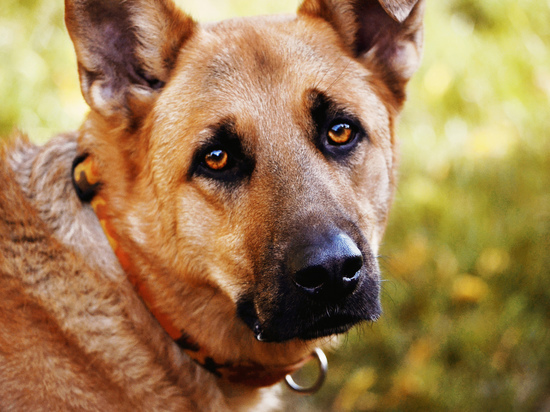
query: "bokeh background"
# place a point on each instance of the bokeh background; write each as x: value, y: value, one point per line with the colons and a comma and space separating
x: 466, y: 255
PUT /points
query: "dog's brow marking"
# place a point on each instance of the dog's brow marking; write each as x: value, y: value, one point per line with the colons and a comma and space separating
x: 321, y: 101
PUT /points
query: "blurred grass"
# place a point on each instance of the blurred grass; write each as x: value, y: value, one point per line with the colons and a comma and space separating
x: 466, y: 255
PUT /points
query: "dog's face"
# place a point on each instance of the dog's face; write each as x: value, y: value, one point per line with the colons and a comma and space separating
x: 292, y: 215
x: 250, y: 164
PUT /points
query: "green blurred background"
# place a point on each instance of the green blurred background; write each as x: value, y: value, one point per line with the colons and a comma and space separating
x: 465, y: 259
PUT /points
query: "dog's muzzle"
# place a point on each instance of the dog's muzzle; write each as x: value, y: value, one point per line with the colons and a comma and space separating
x: 323, y: 282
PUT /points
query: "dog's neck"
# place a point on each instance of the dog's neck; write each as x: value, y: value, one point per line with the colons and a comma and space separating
x: 87, y: 184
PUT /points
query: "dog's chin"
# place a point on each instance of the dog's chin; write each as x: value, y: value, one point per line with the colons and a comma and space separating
x: 328, y: 326
x: 324, y: 327
x: 310, y: 328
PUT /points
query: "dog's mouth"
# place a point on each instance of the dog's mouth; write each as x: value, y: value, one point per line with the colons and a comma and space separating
x: 330, y: 325
x: 300, y: 327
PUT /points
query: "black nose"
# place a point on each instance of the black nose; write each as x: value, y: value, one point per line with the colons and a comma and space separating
x: 327, y: 267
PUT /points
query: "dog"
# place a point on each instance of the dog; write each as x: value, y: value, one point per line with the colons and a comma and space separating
x: 218, y: 214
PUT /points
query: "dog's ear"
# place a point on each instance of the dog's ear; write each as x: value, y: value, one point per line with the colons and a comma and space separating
x: 126, y: 50
x: 385, y: 35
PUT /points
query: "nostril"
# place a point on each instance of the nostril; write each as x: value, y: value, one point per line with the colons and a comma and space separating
x: 351, y: 267
x: 311, y: 278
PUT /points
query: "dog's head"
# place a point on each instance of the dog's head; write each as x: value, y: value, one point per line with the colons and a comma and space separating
x: 249, y: 165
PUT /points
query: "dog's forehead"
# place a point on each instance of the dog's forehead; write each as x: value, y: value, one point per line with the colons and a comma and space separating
x: 258, y: 55
x: 265, y: 49
x: 260, y: 72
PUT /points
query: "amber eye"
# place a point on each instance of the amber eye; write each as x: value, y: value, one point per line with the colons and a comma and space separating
x: 340, y: 134
x: 216, y: 159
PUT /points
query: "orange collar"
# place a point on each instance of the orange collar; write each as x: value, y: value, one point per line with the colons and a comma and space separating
x: 86, y: 180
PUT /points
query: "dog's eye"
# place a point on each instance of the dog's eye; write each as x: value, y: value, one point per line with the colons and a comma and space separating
x: 216, y: 159
x: 341, y: 133
x: 222, y: 157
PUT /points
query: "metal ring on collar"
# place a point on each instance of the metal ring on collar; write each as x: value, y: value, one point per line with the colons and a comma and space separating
x: 321, y: 358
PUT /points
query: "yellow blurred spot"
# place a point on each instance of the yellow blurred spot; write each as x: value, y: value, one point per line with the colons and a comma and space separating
x: 446, y: 263
x: 420, y: 352
x: 438, y: 78
x: 462, y: 24
x: 469, y: 289
x: 412, y: 258
x: 356, y: 391
x: 518, y: 17
x: 492, y: 141
x: 542, y: 77
x: 492, y: 261
x: 406, y: 383
x: 422, y: 190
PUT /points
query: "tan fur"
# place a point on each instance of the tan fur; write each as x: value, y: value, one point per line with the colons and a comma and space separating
x: 74, y: 334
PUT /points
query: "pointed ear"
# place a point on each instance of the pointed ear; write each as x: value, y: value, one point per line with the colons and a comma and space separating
x: 126, y: 50
x: 385, y: 35
x: 399, y: 10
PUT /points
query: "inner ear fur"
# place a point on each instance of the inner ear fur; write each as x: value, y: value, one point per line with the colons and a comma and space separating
x: 384, y: 35
x: 126, y: 50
